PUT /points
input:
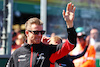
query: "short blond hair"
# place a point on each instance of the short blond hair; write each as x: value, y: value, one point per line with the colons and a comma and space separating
x: 56, y: 39
x: 33, y: 21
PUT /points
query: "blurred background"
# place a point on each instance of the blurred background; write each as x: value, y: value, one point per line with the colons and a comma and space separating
x: 14, y: 14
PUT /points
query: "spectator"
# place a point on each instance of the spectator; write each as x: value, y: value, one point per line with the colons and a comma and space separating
x: 15, y: 33
x: 55, y: 40
x: 18, y: 42
x: 94, y: 37
x: 88, y: 60
x: 79, y: 29
x: 35, y: 53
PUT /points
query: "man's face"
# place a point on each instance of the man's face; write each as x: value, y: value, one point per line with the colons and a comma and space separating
x: 34, y: 35
x: 94, y: 33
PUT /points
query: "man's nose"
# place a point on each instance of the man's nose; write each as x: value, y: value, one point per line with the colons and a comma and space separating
x: 39, y: 34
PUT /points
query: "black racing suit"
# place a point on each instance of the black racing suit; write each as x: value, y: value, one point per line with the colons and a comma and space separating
x: 41, y: 55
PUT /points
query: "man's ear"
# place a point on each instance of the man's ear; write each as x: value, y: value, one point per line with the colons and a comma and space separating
x: 26, y: 33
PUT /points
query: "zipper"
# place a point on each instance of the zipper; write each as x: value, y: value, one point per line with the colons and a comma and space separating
x: 31, y: 56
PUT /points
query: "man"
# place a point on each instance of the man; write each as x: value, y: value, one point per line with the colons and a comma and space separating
x: 94, y: 39
x: 93, y: 36
x: 37, y: 54
x: 88, y: 60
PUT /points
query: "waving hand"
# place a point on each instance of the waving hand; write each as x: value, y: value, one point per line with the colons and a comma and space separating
x: 69, y: 14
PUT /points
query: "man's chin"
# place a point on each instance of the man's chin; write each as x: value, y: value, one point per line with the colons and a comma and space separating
x: 38, y: 42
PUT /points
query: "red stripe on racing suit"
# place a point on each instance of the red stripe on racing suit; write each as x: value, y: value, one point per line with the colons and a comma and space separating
x: 31, y: 56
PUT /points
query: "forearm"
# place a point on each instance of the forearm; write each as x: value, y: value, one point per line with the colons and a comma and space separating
x: 72, y: 35
x: 69, y: 24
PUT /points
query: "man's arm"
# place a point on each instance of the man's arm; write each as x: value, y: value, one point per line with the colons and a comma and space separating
x: 70, y: 43
x: 69, y: 18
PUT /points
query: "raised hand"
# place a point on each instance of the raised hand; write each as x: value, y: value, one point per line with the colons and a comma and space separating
x: 69, y: 14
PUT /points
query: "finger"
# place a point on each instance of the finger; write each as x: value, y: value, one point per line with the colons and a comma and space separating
x: 69, y: 7
x: 72, y: 6
x: 74, y: 9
